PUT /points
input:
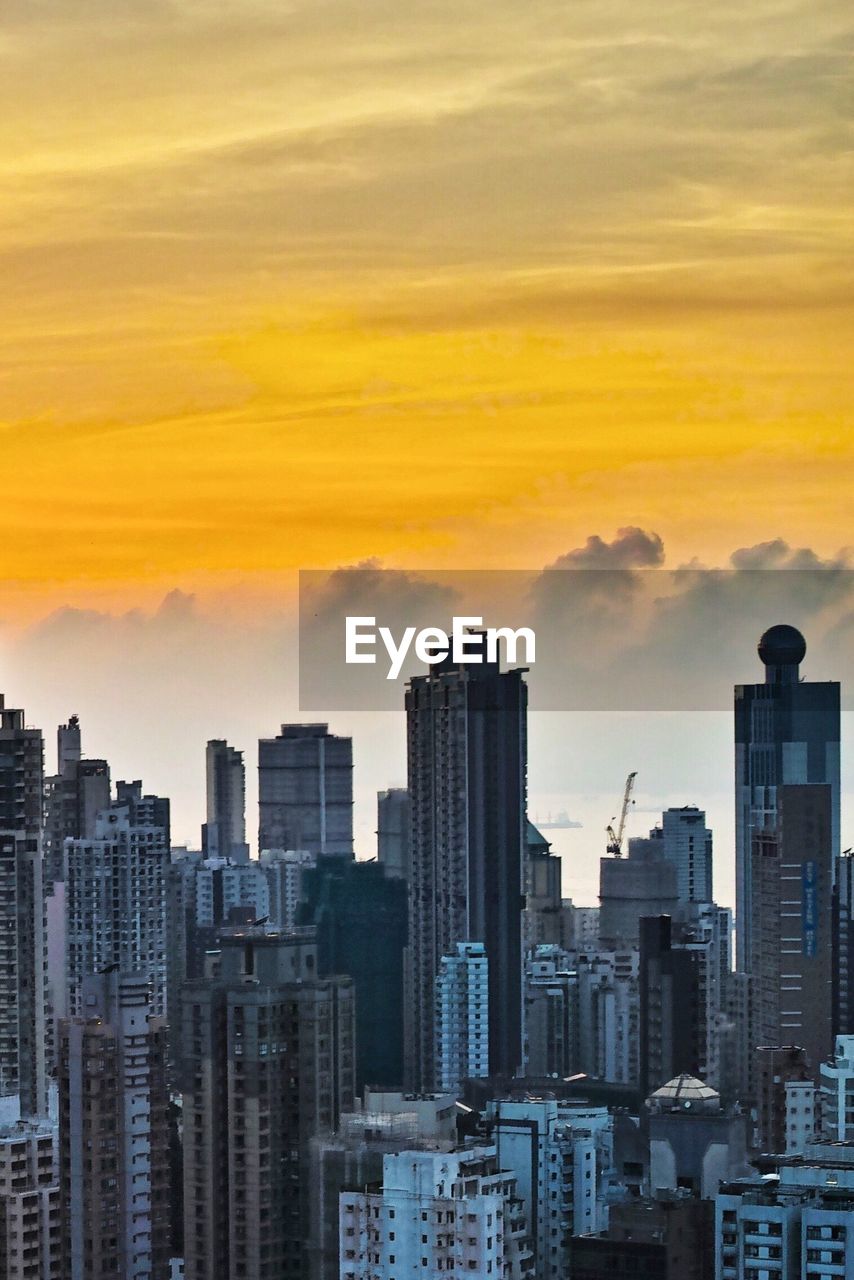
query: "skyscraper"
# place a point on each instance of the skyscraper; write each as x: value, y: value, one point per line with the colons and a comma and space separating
x: 561, y: 1156
x: 224, y: 833
x: 145, y: 810
x: 23, y: 1087
x: 544, y: 915
x: 30, y: 1241
x: 267, y: 1064
x: 305, y: 791
x: 114, y: 1135
x: 116, y: 903
x: 467, y: 765
x: 687, y: 843
x: 643, y: 884
x: 74, y: 796
x: 787, y: 732
x: 23, y: 1024
x: 393, y: 831
x: 462, y: 1023
x: 673, y: 1032
x: 791, y: 952
x: 21, y: 773
x: 360, y: 914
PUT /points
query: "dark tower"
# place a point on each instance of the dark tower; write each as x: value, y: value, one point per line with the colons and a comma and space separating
x: 467, y: 764
x: 786, y: 734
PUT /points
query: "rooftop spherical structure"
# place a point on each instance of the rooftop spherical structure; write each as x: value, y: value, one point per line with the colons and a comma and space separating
x: 782, y: 646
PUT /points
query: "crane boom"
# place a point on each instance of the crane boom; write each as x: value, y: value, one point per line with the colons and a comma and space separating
x: 615, y: 837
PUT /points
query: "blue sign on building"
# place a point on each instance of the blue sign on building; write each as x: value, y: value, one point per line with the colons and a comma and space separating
x: 809, y: 907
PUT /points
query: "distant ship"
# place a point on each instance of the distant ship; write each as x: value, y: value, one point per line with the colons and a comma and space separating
x: 561, y: 821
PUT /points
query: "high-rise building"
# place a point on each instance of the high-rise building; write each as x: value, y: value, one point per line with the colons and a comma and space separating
x: 21, y: 773
x: 606, y: 1015
x: 786, y: 1108
x: 267, y: 1065
x: 74, y: 796
x: 467, y: 768
x: 30, y: 1240
x: 437, y: 1213
x: 790, y: 945
x: 220, y: 885
x: 353, y: 1157
x: 202, y: 894
x: 115, y: 902
x: 550, y: 1003
x: 305, y: 791
x: 114, y: 1134
x: 462, y: 1018
x: 687, y: 843
x: 561, y: 1156
x: 642, y: 884
x: 145, y: 810
x: 673, y: 1030
x: 360, y: 917
x: 837, y: 1092
x: 843, y: 945
x: 684, y: 840
x: 543, y: 920
x: 393, y: 831
x: 285, y: 871
x: 579, y: 927
x: 797, y: 1225
x: 224, y: 832
x: 23, y: 1025
x: 787, y: 732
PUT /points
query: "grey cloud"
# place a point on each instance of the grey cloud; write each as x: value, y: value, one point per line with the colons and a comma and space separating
x: 630, y: 548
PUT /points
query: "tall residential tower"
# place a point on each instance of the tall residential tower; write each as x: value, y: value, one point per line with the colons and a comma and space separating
x: 305, y: 791
x: 467, y: 764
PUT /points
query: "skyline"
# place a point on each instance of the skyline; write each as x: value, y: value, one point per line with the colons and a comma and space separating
x: 125, y: 676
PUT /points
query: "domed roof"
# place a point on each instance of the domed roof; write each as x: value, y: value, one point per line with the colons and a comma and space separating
x: 685, y: 1093
x: 782, y: 646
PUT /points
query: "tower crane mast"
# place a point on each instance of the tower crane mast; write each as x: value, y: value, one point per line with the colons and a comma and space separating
x: 615, y: 836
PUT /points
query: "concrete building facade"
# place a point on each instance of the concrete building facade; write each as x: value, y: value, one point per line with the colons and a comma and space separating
x: 437, y: 1213
x: 116, y: 903
x: 305, y: 791
x: 30, y: 1240
x: 267, y: 1065
x: 113, y: 1134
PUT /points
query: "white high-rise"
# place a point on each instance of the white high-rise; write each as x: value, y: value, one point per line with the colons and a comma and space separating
x: 462, y: 1016
x: 561, y: 1154
x: 837, y: 1092
x: 439, y: 1213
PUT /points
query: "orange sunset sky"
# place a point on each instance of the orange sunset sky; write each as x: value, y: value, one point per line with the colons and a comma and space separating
x: 446, y: 283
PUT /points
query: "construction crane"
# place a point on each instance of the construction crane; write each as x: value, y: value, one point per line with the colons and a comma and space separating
x: 615, y: 837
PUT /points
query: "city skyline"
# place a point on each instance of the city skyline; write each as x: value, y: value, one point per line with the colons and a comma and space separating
x: 83, y: 662
x: 426, y: 640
